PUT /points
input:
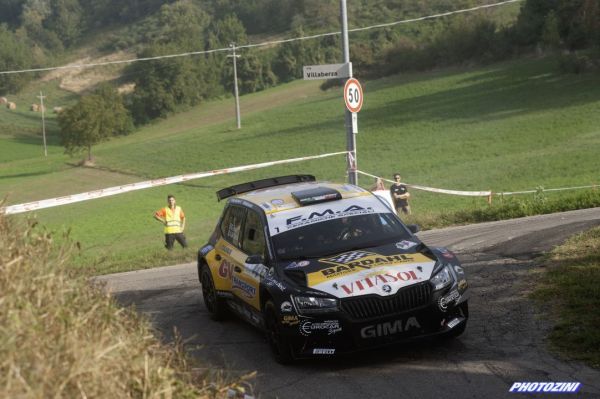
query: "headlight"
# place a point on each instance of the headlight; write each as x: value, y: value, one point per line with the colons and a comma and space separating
x: 312, y: 304
x: 442, y: 279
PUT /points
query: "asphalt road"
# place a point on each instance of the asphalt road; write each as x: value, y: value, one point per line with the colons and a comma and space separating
x: 504, y: 341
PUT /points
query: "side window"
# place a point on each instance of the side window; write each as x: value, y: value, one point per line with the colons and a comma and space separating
x: 254, y: 237
x: 232, y: 224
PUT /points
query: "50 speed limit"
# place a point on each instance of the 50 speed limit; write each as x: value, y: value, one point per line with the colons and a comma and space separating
x: 353, y: 95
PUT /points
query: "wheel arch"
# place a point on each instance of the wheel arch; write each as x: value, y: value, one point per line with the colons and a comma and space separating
x: 264, y: 296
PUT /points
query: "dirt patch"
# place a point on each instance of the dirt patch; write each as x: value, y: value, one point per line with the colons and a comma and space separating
x: 77, y: 79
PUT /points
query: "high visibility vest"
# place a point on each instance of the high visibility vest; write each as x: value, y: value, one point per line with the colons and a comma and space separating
x: 173, y: 219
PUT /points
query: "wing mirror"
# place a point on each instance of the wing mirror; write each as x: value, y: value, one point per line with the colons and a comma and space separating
x: 255, y: 260
x: 414, y: 228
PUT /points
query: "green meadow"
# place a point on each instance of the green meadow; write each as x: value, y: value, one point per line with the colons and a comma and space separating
x: 506, y: 127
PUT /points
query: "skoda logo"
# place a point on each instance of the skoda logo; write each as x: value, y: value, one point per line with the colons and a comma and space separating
x: 386, y: 288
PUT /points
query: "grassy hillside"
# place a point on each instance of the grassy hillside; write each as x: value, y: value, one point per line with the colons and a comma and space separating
x: 510, y: 126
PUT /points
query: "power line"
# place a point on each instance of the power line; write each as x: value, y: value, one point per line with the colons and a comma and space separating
x: 263, y: 44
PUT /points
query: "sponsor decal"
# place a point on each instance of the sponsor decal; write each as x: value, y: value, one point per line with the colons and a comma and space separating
x: 323, y: 351
x: 225, y: 249
x: 348, y: 257
x: 453, y: 323
x: 555, y: 387
x: 446, y: 253
x: 225, y: 269
x: 444, y: 301
x: 379, y: 279
x: 277, y: 202
x: 405, y: 244
x: 271, y: 282
x: 286, y: 307
x: 462, y: 285
x: 281, y: 222
x: 370, y: 273
x: 389, y: 328
x: 248, y: 290
x: 258, y: 270
x: 331, y: 326
x: 206, y: 249
x: 326, y: 214
x: 296, y: 265
x: 359, y: 260
x: 289, y: 320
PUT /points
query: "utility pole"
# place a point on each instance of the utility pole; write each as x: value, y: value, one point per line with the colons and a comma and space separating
x: 352, y: 161
x: 235, y: 85
x: 41, y: 97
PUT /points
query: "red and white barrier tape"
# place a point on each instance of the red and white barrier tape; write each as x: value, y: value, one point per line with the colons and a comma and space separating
x: 436, y: 190
x: 479, y: 193
x: 547, y: 189
x: 69, y: 199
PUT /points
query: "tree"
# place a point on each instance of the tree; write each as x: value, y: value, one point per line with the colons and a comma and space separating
x: 66, y: 20
x: 95, y: 118
x: 10, y: 10
x: 14, y: 54
x: 550, y: 34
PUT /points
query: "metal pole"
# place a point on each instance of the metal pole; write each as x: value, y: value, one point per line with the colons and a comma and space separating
x: 352, y: 161
x: 41, y: 97
x: 235, y: 85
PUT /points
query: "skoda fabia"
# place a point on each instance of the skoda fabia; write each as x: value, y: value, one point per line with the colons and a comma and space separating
x: 326, y: 268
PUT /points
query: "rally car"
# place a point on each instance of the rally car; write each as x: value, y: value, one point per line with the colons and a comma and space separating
x: 326, y: 268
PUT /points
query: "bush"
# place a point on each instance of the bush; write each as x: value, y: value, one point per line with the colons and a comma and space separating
x: 510, y: 208
x: 576, y: 63
x: 60, y: 337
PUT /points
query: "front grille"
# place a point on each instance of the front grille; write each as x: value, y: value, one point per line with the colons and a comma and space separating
x: 406, y: 299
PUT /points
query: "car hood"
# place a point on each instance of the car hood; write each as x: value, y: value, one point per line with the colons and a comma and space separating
x: 379, y: 270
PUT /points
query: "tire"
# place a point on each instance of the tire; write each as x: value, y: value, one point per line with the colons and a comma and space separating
x: 280, y: 346
x: 216, y: 306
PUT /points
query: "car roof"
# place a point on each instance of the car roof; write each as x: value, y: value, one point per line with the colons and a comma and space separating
x: 279, y: 198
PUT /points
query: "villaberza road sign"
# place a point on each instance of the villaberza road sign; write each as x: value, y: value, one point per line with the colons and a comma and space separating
x: 328, y: 71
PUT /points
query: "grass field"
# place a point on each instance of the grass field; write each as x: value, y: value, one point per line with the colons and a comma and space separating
x: 511, y: 126
x: 569, y: 287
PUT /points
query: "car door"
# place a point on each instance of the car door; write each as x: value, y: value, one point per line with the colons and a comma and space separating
x: 228, y: 254
x: 254, y: 246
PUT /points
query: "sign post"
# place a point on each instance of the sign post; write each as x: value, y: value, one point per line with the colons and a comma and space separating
x: 235, y: 86
x: 41, y: 97
x: 352, y: 93
x: 352, y: 164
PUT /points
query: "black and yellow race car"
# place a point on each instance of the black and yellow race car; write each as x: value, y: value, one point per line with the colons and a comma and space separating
x: 327, y: 268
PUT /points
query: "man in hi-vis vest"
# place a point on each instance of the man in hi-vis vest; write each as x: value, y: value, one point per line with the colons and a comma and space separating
x: 173, y: 219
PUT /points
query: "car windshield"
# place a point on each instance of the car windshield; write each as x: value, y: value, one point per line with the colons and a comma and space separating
x: 339, y: 235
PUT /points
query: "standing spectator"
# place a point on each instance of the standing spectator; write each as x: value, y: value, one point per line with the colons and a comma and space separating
x: 379, y: 185
x: 400, y: 195
x: 380, y: 191
x: 173, y: 218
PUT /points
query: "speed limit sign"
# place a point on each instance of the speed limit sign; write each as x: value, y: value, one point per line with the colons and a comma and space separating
x: 353, y: 95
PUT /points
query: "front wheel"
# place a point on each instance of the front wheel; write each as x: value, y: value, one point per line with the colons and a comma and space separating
x: 279, y: 344
x: 216, y: 306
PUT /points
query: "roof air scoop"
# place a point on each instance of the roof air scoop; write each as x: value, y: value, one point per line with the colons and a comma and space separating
x: 316, y: 195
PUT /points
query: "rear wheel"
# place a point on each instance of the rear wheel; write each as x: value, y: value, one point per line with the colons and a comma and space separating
x: 279, y: 344
x: 216, y: 306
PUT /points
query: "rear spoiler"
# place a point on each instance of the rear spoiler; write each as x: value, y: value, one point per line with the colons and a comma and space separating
x: 264, y: 183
